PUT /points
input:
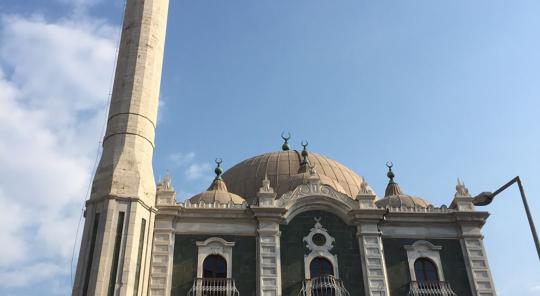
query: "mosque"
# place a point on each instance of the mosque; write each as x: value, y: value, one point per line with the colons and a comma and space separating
x: 284, y: 223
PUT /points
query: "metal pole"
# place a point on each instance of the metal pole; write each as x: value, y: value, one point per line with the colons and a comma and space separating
x: 526, y: 205
x: 529, y: 216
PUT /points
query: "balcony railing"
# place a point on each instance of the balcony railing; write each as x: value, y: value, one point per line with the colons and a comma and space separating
x: 431, y: 289
x: 326, y: 285
x: 213, y: 287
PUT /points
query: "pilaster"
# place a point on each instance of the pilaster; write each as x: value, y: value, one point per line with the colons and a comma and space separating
x: 162, y: 256
x: 475, y: 255
x: 373, y: 263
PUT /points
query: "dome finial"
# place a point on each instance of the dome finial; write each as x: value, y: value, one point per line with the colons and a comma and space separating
x: 218, y: 170
x: 285, y: 146
x: 390, y: 173
x: 305, y: 153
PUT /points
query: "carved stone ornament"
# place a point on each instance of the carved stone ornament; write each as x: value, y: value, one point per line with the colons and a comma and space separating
x: 320, y: 243
x: 306, y: 190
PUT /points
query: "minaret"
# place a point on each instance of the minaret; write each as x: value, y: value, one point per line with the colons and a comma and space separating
x: 115, y: 252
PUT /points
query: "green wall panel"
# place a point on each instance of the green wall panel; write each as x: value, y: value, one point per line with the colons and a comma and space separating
x: 293, y: 250
x: 185, y: 263
x: 452, y: 260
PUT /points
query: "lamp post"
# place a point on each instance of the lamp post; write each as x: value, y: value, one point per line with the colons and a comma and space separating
x: 485, y: 198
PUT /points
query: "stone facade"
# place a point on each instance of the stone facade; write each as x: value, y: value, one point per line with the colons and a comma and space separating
x: 321, y: 227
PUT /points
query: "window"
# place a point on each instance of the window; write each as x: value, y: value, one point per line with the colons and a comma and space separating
x: 425, y: 270
x: 215, y: 266
x: 139, y: 257
x: 90, y: 254
x: 116, y: 253
x: 320, y: 266
x: 424, y: 262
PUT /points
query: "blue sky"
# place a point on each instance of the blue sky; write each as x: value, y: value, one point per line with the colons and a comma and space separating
x: 444, y: 89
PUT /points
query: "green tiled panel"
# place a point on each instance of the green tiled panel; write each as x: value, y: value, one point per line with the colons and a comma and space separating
x: 452, y: 260
x: 185, y: 263
x: 293, y: 250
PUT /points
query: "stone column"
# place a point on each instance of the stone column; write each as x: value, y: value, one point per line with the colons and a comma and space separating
x: 124, y: 188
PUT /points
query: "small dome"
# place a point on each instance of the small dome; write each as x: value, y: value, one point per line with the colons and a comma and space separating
x: 217, y: 192
x: 395, y: 198
x: 402, y: 200
x: 282, y: 168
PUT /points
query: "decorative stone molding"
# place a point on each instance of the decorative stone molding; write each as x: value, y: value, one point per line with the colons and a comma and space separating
x: 424, y: 249
x: 266, y: 194
x: 462, y: 199
x: 442, y: 209
x: 215, y: 205
x: 366, y: 197
x: 165, y: 194
x: 214, y: 246
x: 320, y: 243
x: 314, y: 189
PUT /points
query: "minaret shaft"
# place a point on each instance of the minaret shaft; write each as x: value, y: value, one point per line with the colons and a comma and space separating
x: 125, y: 169
x: 115, y: 253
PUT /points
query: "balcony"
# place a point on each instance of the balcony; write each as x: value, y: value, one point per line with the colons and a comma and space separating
x: 326, y: 285
x: 431, y: 289
x: 213, y: 287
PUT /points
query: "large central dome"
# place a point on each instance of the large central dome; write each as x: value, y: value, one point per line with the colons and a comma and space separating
x: 282, y: 169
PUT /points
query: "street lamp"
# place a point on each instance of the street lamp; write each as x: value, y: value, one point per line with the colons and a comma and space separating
x: 485, y: 198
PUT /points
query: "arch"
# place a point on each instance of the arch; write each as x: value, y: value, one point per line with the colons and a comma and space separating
x: 214, y: 266
x: 214, y: 246
x: 428, y: 256
x: 320, y: 266
x: 317, y: 203
x: 425, y: 270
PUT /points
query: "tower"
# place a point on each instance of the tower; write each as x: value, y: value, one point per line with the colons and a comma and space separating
x: 114, y: 258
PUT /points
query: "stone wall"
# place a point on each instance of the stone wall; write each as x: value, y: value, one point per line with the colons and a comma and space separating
x: 452, y: 260
x: 185, y: 263
x: 345, y: 247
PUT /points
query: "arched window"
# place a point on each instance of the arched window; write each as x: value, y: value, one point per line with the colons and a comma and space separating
x: 214, y: 266
x: 320, y: 266
x: 425, y: 270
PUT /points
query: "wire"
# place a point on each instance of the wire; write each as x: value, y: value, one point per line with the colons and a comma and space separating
x: 99, y: 148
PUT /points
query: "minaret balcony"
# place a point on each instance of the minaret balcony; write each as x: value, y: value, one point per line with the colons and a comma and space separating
x: 326, y: 285
x: 431, y: 288
x: 214, y: 287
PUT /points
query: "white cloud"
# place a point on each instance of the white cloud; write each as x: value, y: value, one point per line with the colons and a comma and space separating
x: 54, y: 81
x: 181, y: 159
x: 197, y: 171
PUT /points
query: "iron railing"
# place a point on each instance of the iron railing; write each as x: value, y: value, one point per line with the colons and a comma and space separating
x: 213, y: 287
x: 326, y: 285
x: 431, y: 289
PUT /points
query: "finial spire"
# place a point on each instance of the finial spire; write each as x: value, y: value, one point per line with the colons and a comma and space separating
x: 393, y: 187
x: 218, y: 170
x: 285, y: 146
x: 305, y: 153
x: 390, y: 173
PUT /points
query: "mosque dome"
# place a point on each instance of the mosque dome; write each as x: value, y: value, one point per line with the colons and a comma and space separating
x: 217, y: 192
x: 286, y: 170
x: 395, y: 198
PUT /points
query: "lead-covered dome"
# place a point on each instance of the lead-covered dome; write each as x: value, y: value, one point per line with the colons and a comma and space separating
x: 284, y: 170
x: 395, y: 198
